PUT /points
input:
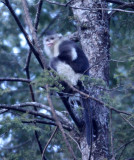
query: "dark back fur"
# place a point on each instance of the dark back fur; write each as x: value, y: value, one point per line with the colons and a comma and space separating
x: 81, y: 64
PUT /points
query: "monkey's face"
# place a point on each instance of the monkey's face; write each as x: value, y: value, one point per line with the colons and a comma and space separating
x: 51, y: 40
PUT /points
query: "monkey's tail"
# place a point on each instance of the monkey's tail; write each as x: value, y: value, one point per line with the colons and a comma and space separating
x: 88, y: 120
x: 87, y: 114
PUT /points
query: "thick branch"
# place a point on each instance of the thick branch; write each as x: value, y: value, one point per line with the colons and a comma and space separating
x: 15, y: 79
x: 28, y: 74
x: 62, y: 117
x: 16, y: 107
x: 97, y: 100
x: 59, y: 124
x: 47, y: 123
x: 32, y: 30
x: 36, y: 53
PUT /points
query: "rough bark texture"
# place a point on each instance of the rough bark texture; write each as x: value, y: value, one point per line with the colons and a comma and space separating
x: 93, y: 29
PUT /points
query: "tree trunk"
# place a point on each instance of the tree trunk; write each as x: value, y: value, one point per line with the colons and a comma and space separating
x: 93, y: 29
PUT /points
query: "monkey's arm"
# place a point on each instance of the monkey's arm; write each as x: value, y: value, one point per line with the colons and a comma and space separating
x: 67, y: 52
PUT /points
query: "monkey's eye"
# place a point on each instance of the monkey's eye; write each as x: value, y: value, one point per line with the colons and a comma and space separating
x: 47, y: 40
x: 52, y: 38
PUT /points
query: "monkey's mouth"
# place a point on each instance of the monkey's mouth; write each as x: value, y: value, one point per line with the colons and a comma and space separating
x: 50, y: 44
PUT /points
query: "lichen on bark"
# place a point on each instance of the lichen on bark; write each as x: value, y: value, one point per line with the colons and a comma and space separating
x: 93, y: 31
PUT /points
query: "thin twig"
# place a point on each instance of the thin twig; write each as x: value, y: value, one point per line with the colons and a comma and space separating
x: 121, y: 7
x: 92, y: 9
x: 3, y: 111
x: 111, y: 135
x: 16, y: 147
x: 74, y: 141
x: 49, y: 141
x: 122, y: 152
x: 127, y: 121
x: 49, y: 25
x: 132, y: 140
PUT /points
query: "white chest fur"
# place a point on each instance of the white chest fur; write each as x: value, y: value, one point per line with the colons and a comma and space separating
x: 67, y: 73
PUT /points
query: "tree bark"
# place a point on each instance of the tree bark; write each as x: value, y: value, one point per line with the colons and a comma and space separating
x: 93, y: 30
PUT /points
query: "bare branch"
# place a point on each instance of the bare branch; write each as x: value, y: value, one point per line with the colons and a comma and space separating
x: 15, y: 79
x: 132, y: 140
x: 92, y: 9
x: 16, y: 107
x: 33, y: 31
x: 3, y: 111
x: 116, y: 2
x: 49, y: 141
x: 95, y: 99
x: 46, y: 122
x: 16, y: 147
x: 59, y: 123
x: 74, y: 141
x: 123, y: 4
x: 38, y: 14
x: 28, y: 74
x: 36, y: 53
x: 62, y: 117
x: 111, y: 135
x: 127, y: 121
x: 121, y: 7
x: 49, y: 25
x: 57, y: 3
x: 124, y: 147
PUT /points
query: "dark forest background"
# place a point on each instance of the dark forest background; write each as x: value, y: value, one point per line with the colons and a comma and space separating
x: 17, y: 139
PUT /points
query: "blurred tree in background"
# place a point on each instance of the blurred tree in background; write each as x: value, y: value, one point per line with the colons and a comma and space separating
x: 23, y: 135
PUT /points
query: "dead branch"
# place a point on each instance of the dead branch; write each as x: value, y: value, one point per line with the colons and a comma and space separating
x: 49, y: 141
x: 15, y: 79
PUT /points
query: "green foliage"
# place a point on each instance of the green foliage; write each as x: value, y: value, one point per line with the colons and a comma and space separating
x: 49, y: 77
x: 13, y: 55
x: 121, y: 79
